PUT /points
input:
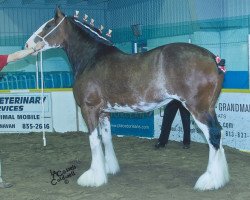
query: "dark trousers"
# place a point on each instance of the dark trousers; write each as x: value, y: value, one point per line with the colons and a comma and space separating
x: 168, y: 118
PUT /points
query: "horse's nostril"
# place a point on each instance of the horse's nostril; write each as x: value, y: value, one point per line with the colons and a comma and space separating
x: 26, y: 45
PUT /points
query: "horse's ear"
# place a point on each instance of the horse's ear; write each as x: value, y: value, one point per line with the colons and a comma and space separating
x: 58, y: 13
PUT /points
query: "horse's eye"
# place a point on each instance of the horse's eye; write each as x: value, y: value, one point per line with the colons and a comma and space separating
x: 48, y: 26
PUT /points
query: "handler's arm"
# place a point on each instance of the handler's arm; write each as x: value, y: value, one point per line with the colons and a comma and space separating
x: 23, y: 53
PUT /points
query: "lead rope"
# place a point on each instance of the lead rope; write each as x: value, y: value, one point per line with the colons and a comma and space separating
x: 37, y: 71
x: 41, y: 67
x: 42, y: 97
x: 1, y: 180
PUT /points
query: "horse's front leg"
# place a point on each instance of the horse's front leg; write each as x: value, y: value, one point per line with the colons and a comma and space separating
x: 96, y: 175
x: 111, y: 163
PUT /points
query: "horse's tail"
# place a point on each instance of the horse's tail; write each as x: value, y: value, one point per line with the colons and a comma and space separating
x: 220, y: 63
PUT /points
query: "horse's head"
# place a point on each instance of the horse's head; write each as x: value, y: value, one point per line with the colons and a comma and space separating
x: 50, y: 32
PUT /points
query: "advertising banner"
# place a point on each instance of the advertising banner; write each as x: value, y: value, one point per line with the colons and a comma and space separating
x: 22, y: 112
x: 135, y: 124
x: 233, y: 113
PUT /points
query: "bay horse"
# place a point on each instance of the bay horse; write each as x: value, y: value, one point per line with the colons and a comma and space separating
x: 109, y: 80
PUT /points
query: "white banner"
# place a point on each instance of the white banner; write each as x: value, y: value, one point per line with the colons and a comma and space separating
x: 22, y: 112
x: 233, y: 112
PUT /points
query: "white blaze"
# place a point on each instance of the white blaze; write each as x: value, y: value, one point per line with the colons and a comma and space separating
x: 31, y: 41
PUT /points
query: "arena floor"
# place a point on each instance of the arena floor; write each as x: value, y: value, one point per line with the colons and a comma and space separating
x: 146, y: 173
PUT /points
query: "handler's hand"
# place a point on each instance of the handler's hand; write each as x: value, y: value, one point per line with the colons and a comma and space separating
x: 39, y: 46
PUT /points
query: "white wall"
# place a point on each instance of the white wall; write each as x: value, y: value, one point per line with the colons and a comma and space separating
x: 66, y: 114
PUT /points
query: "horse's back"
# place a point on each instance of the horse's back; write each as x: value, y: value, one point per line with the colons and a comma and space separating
x: 175, y: 59
x: 179, y: 53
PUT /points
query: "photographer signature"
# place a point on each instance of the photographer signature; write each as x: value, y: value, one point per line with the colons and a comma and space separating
x: 62, y: 175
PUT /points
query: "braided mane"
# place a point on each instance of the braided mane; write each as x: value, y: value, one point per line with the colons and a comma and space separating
x: 91, y: 31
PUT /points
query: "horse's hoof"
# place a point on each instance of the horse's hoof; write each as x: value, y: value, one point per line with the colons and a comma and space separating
x: 204, y: 182
x: 209, y: 182
x: 112, y: 167
x: 92, y: 178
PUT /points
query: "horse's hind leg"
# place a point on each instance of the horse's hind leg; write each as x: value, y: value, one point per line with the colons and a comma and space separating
x: 96, y: 175
x: 216, y: 175
x: 111, y: 163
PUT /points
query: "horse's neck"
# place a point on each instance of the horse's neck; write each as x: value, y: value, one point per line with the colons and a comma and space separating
x: 82, y: 51
x: 80, y: 55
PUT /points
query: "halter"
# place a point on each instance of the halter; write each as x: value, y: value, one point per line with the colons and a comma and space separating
x: 43, y: 38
